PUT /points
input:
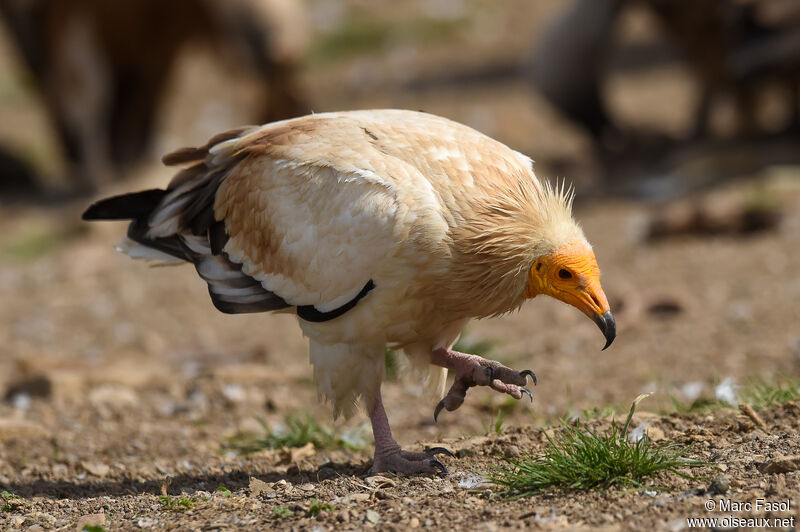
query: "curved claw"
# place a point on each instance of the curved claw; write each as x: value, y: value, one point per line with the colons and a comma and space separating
x: 491, y: 375
x: 436, y: 411
x: 433, y: 451
x: 437, y: 464
x: 527, y: 391
x: 529, y: 373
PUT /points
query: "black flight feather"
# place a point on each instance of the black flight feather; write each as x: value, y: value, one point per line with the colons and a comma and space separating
x: 125, y: 207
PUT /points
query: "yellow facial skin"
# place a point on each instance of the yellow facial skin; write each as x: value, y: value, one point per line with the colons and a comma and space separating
x: 570, y: 274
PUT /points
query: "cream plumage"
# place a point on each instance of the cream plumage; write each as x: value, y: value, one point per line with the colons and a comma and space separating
x: 376, y: 227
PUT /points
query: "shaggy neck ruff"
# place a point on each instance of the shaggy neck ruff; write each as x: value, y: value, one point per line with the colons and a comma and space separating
x: 502, y: 236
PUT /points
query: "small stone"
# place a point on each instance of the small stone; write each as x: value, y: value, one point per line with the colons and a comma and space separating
x: 308, y: 487
x: 373, y: 516
x: 380, y: 481
x: 48, y: 519
x: 783, y: 464
x: 147, y: 522
x: 96, y: 468
x: 343, y: 516
x: 414, y: 523
x: 512, y: 451
x: 90, y: 520
x: 358, y: 497
x: 257, y: 487
x: 719, y: 486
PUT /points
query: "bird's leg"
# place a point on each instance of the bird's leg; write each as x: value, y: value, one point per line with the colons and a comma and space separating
x: 472, y: 370
x: 390, y: 457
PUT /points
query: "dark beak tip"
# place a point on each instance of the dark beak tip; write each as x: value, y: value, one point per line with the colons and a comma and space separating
x: 608, y: 326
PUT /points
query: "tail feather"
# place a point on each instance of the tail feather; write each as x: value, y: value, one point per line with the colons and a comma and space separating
x: 178, y: 224
x: 125, y: 207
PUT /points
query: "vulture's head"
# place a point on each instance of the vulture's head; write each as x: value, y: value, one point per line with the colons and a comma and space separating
x: 570, y: 274
x: 562, y: 264
x: 524, y: 242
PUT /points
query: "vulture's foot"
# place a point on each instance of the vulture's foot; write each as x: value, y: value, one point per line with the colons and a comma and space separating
x: 408, y: 463
x: 389, y: 457
x: 472, y: 370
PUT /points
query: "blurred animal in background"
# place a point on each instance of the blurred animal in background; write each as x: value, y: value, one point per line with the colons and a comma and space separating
x: 733, y: 48
x: 102, y: 66
x: 568, y: 67
x: 374, y: 227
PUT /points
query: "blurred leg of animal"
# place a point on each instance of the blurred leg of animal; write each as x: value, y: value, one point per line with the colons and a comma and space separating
x: 78, y: 89
x: 702, y: 113
x: 131, y: 120
x: 273, y: 34
x: 285, y: 99
x: 17, y: 179
x: 567, y: 68
x: 389, y: 456
x: 746, y: 99
x: 472, y: 370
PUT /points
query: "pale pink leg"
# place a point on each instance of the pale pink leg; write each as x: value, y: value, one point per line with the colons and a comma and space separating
x: 390, y: 457
x: 472, y: 370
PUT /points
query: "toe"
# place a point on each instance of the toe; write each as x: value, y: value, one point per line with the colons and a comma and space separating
x: 510, y: 376
x: 408, y: 463
x: 527, y: 392
x: 439, y: 466
x: 530, y: 374
x: 433, y: 451
x: 513, y: 390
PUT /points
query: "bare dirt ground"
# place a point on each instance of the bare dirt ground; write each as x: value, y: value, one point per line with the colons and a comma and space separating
x: 122, y: 383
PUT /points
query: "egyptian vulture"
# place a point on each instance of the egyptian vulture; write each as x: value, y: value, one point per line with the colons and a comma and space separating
x: 376, y: 228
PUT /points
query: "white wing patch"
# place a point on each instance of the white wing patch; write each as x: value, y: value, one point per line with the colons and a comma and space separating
x: 327, y: 231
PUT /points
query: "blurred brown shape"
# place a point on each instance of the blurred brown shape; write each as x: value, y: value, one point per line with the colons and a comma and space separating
x: 699, y: 220
x: 34, y: 386
x: 731, y: 46
x: 734, y: 49
x: 17, y: 179
x: 102, y: 66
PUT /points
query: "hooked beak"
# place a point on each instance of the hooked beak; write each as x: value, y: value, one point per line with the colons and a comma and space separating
x: 607, y: 324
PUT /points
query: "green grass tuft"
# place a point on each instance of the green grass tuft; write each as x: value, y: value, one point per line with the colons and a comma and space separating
x: 297, y: 432
x: 580, y: 458
x: 93, y: 528
x: 177, y: 504
x: 315, y: 507
x: 11, y: 502
x: 225, y: 492
x: 759, y: 393
x: 699, y: 405
x: 282, y: 513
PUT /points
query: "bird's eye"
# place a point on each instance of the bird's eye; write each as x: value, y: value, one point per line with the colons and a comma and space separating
x: 538, y: 266
x: 564, y: 274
